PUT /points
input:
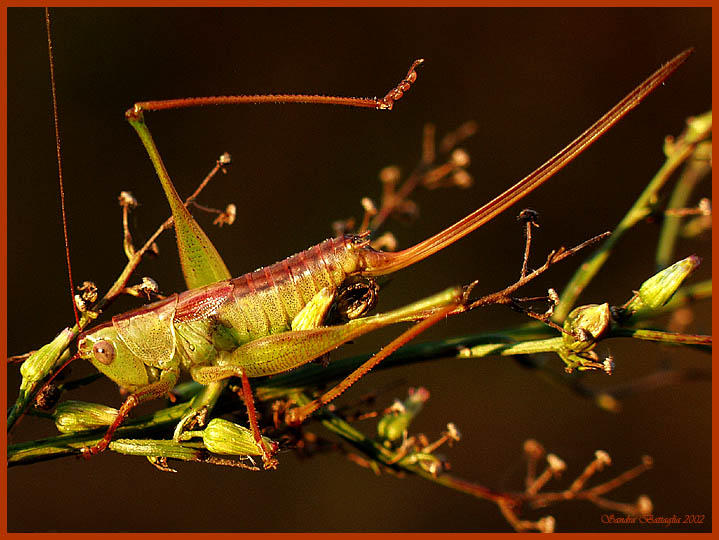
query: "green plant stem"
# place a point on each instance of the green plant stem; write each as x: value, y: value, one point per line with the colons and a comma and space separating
x: 697, y: 168
x: 165, y: 448
x: 669, y: 338
x: 313, y: 375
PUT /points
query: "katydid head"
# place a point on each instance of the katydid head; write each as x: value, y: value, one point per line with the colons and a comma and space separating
x: 105, y: 350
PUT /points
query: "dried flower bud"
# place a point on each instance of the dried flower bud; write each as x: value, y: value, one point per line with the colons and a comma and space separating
x: 608, y: 365
x: 705, y: 207
x: 80, y: 304
x: 644, y: 505
x: 529, y: 216
x: 459, y: 157
x: 127, y: 199
x: 452, y: 432
x: 584, y: 325
x: 533, y: 449
x: 369, y: 206
x: 546, y: 524
x: 88, y: 289
x: 227, y: 217
x: 658, y: 289
x: 225, y: 437
x: 88, y: 295
x: 225, y: 159
x: 556, y: 463
x: 462, y: 179
x: 145, y: 289
x: 389, y: 175
x: 73, y: 416
x: 602, y: 457
x: 148, y: 285
x: 553, y: 299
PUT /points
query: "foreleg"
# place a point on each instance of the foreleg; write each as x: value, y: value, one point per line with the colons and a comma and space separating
x: 155, y: 390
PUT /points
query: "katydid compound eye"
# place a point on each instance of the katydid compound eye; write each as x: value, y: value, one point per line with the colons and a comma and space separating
x: 104, y: 352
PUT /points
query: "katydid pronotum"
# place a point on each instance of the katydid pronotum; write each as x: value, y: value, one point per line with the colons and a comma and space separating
x: 167, y: 316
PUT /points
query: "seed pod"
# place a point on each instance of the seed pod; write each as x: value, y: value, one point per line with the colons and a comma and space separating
x: 225, y: 437
x: 584, y: 325
x: 72, y: 416
x: 658, y: 289
x: 38, y: 365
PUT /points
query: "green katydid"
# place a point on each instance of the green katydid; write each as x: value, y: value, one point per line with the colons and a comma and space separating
x: 271, y: 320
x: 140, y: 321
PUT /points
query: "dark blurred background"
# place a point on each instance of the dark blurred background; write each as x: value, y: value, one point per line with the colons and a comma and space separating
x: 531, y: 78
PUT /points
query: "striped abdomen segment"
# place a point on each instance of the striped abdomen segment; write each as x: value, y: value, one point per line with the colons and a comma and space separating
x: 265, y: 301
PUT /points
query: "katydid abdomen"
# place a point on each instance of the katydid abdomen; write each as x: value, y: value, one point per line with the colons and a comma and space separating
x: 192, y: 327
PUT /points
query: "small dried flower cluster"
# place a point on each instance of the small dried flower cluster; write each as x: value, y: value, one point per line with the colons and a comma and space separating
x: 534, y: 497
x: 430, y: 173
